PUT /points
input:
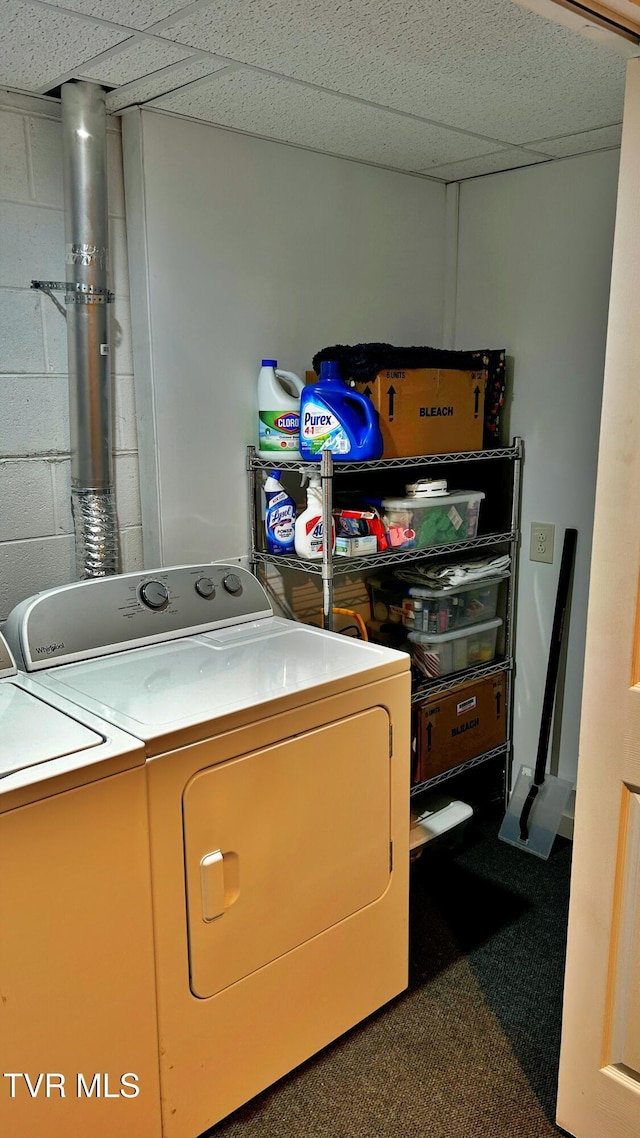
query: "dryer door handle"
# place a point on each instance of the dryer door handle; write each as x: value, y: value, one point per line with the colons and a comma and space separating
x: 212, y: 885
x: 219, y: 885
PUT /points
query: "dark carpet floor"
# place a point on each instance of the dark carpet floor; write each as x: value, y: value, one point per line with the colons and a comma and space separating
x: 471, y: 1049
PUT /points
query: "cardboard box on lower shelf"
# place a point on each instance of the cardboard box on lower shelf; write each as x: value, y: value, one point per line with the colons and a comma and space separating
x: 456, y: 726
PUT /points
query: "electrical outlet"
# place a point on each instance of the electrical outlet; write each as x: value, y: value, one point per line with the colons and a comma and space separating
x: 541, y: 547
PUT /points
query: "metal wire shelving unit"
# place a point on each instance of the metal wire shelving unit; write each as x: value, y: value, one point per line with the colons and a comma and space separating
x: 505, y: 539
x: 514, y: 451
x: 503, y: 751
x: 342, y: 565
x: 430, y: 688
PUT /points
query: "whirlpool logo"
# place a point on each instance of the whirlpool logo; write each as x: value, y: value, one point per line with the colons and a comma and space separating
x: 49, y: 649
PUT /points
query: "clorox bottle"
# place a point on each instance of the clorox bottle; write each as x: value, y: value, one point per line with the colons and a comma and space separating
x: 335, y: 418
x: 278, y: 412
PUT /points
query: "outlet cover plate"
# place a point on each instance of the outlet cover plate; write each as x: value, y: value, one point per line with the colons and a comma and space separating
x: 541, y: 546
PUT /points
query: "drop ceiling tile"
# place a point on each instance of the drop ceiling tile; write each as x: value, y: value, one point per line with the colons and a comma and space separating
x: 138, y: 14
x: 133, y: 62
x: 509, y: 159
x: 38, y: 45
x: 170, y: 78
x: 486, y: 66
x: 602, y: 139
x: 290, y: 112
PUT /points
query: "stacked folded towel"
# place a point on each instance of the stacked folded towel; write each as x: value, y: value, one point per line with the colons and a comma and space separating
x: 444, y: 576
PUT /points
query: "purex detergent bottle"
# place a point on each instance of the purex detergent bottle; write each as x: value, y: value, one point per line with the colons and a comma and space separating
x: 280, y: 516
x: 335, y: 418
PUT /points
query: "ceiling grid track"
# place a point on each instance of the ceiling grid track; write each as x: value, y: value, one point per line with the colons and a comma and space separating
x: 430, y: 91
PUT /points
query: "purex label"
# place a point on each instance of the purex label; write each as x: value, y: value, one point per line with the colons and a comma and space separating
x: 321, y: 430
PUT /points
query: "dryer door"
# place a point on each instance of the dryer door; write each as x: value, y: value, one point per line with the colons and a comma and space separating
x: 284, y: 842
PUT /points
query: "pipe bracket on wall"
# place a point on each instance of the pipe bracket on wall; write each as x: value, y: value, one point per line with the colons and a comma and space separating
x: 76, y: 292
x: 93, y: 298
x: 47, y: 287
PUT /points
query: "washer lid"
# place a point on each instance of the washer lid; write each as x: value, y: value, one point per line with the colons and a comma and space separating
x: 34, y: 732
x: 163, y: 688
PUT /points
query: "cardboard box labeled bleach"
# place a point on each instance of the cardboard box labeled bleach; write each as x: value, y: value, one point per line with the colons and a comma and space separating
x: 428, y: 410
x: 460, y: 725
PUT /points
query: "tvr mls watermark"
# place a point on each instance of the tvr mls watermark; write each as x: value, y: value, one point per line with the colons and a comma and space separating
x: 52, y: 1084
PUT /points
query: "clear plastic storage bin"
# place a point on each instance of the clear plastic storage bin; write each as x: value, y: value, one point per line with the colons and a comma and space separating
x: 387, y: 596
x: 422, y: 523
x: 453, y: 651
x: 443, y: 609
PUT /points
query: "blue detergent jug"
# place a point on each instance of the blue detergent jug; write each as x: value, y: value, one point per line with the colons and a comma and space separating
x: 335, y: 418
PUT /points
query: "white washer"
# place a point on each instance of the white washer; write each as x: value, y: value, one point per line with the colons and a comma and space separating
x: 76, y: 957
x: 278, y: 780
x: 47, y: 744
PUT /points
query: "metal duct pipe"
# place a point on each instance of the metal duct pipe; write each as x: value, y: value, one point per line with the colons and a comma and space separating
x: 84, y: 141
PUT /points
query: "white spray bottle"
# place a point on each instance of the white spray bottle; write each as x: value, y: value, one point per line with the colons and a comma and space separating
x: 309, y: 529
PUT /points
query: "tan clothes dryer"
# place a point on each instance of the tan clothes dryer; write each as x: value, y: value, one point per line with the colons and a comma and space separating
x: 278, y: 781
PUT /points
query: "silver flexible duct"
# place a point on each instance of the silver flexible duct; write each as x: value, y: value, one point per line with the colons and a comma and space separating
x: 86, y: 236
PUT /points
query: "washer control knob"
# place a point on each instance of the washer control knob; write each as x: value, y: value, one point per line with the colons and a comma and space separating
x: 205, y: 587
x: 232, y: 583
x: 154, y: 594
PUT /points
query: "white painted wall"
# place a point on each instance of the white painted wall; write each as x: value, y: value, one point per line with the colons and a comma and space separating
x: 36, y: 542
x: 242, y: 249
x: 534, y: 263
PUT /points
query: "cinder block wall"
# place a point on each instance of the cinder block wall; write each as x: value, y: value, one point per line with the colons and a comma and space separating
x: 36, y: 530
